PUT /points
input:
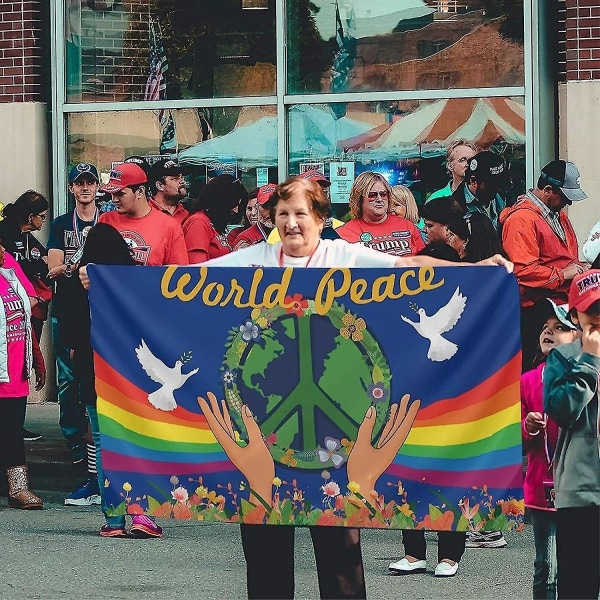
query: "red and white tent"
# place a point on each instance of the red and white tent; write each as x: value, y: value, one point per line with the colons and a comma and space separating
x: 483, y: 121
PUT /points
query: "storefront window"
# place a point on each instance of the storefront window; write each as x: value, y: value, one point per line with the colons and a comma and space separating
x: 386, y: 45
x: 406, y: 141
x: 129, y: 50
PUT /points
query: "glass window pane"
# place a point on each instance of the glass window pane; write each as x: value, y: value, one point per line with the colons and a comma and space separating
x: 169, y: 49
x: 387, y: 45
x: 240, y: 141
x: 405, y: 140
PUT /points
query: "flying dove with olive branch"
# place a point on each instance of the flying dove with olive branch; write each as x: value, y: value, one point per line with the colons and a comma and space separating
x: 432, y: 327
x: 170, y: 378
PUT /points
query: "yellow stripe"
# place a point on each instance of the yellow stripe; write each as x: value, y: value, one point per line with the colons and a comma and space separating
x: 155, y: 429
x: 464, y: 433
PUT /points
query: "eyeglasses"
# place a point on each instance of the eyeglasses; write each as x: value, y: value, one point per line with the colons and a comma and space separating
x: 372, y: 196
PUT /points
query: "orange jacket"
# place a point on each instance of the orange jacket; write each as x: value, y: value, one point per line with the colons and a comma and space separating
x: 536, y: 250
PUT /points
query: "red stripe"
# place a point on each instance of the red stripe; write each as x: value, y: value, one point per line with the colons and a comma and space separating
x: 124, y: 394
x: 114, y: 461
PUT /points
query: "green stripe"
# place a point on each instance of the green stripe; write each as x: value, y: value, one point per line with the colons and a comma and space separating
x: 115, y: 430
x: 508, y: 437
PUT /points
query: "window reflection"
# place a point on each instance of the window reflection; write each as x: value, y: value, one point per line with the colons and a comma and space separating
x: 210, y: 49
x: 364, y: 45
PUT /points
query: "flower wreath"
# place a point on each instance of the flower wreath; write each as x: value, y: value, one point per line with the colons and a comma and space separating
x: 332, y: 453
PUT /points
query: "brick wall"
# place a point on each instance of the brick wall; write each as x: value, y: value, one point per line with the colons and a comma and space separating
x: 582, y: 40
x: 21, y: 78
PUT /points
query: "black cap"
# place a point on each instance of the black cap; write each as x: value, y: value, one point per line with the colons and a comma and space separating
x: 166, y: 167
x: 140, y: 161
x: 485, y: 166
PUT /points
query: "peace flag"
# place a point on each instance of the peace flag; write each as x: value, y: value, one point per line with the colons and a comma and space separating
x: 289, y: 396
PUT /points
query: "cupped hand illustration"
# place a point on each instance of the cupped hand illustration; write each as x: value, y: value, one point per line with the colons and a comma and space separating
x: 254, y: 460
x: 366, y: 462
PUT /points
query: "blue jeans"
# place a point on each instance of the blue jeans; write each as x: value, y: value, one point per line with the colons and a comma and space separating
x: 112, y: 521
x: 544, y: 566
x: 72, y: 419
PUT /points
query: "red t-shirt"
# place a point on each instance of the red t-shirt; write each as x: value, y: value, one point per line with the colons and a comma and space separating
x: 395, y: 235
x: 16, y: 337
x: 203, y: 241
x: 253, y: 235
x: 180, y: 213
x: 154, y: 239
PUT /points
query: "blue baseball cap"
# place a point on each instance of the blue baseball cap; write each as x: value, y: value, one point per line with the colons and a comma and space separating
x: 83, y: 169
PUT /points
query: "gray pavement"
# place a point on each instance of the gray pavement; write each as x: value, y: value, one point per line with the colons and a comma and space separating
x: 56, y: 553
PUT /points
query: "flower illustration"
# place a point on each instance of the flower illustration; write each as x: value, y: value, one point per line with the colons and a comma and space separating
x: 250, y: 331
x: 347, y: 445
x: 298, y: 304
x: 276, y: 481
x: 135, y: 509
x: 327, y: 518
x: 329, y: 452
x: 127, y: 487
x: 353, y: 487
x: 180, y: 494
x: 331, y: 489
x: 288, y: 458
x: 271, y: 439
x: 469, y: 513
x: 325, y: 475
x: 258, y: 315
x: 353, y: 328
x: 298, y: 496
x: 229, y: 377
x: 201, y: 491
x: 377, y: 392
x: 174, y: 480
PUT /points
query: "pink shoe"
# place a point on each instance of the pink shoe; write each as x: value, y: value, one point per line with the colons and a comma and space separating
x: 144, y: 527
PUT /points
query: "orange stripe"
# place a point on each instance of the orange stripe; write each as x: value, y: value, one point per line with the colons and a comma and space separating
x: 440, y: 411
x: 127, y: 396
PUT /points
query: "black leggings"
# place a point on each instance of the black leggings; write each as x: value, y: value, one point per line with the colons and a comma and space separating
x: 12, y: 418
x: 269, y: 553
x: 451, y: 544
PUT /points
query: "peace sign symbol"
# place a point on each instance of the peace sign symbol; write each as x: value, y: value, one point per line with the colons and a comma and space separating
x: 308, y: 380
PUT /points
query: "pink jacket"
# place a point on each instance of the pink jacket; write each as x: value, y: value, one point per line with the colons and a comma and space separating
x: 538, y: 469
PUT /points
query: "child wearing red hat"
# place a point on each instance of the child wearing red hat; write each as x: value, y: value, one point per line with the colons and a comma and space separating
x: 571, y: 382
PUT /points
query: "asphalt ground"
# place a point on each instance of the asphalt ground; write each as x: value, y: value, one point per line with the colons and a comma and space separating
x: 56, y: 552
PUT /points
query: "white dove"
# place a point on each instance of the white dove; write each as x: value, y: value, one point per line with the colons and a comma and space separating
x: 432, y: 327
x: 170, y: 378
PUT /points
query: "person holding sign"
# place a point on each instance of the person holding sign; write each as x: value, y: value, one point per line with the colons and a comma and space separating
x: 299, y: 208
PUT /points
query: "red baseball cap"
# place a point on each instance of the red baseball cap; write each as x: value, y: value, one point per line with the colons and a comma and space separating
x: 124, y: 175
x: 317, y: 176
x: 585, y: 290
x: 265, y: 192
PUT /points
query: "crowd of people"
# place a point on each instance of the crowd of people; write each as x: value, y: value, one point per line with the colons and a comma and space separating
x: 141, y: 215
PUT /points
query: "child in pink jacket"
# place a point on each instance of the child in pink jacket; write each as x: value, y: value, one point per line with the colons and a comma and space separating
x: 540, y: 435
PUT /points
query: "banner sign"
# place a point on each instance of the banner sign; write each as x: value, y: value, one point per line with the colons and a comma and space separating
x: 364, y: 398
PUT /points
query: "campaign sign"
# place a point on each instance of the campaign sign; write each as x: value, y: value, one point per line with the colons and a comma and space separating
x: 362, y: 398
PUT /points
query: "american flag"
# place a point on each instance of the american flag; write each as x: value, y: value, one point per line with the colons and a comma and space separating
x: 341, y: 66
x: 156, y: 87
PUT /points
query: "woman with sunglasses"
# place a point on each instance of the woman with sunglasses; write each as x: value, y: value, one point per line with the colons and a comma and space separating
x: 373, y: 224
x: 27, y: 214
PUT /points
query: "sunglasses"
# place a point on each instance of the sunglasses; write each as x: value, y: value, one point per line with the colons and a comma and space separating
x: 372, y: 196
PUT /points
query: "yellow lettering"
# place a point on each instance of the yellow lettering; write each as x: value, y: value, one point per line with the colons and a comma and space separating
x: 426, y: 275
x: 276, y: 292
x: 383, y: 287
x: 182, y: 282
x: 219, y: 288
x: 327, y: 292
x: 238, y: 291
x: 357, y: 289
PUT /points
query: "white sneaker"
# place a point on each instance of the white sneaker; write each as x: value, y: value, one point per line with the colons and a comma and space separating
x: 485, y: 539
x: 445, y: 569
x: 404, y: 566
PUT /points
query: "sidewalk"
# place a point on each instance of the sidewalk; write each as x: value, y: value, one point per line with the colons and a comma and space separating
x: 49, y: 460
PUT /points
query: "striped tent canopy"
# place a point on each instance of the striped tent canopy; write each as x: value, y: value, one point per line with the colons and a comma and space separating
x: 483, y: 121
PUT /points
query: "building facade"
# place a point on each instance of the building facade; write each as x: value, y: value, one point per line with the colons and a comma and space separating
x: 267, y: 88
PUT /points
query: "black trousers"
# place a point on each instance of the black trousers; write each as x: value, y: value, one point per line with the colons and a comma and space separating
x: 451, y: 544
x: 269, y: 553
x: 12, y: 418
x: 578, y: 552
